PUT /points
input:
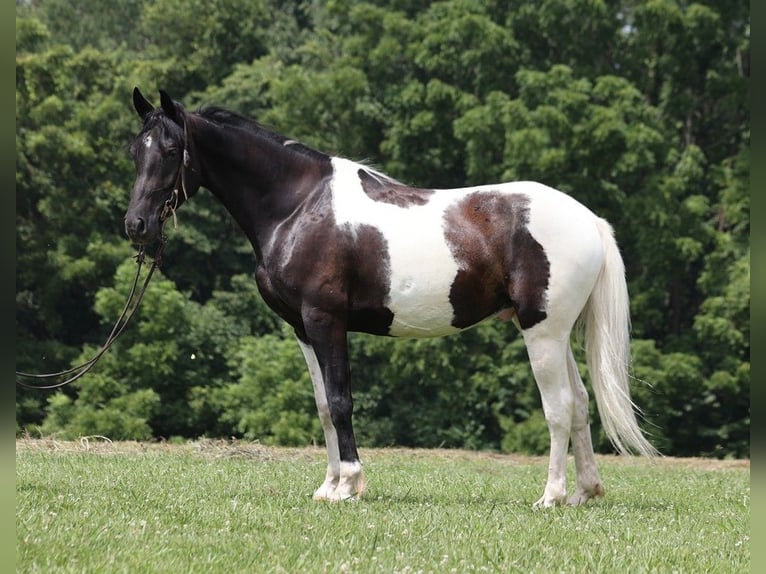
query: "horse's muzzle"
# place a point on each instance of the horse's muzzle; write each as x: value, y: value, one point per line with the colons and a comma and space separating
x: 139, y: 230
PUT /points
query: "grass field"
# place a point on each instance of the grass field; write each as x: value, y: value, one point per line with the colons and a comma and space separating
x: 208, y: 507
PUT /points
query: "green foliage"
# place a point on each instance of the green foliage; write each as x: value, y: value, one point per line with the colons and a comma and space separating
x: 204, y: 38
x: 638, y: 109
x: 120, y: 418
x: 453, y: 392
x: 529, y: 436
x: 87, y: 22
x: 691, y: 412
x: 272, y: 398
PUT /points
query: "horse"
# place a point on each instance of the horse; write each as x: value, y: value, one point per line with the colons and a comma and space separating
x: 340, y: 247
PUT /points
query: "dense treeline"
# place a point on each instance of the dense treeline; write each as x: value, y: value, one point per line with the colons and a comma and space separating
x: 638, y: 109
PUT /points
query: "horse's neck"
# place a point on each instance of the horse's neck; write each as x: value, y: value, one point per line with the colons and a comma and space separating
x: 258, y: 180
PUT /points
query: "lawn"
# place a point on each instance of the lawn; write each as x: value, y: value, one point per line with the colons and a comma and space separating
x: 215, y: 506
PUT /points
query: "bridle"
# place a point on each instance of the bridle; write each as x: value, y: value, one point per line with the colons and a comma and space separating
x: 171, y: 204
x: 134, y: 297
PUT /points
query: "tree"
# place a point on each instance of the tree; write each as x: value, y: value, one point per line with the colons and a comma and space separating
x: 638, y: 109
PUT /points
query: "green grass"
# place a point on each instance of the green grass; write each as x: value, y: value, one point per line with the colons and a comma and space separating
x: 220, y: 507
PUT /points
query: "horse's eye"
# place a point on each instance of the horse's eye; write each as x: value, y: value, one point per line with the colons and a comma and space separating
x: 171, y: 152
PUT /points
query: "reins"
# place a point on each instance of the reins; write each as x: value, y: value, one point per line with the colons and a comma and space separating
x: 130, y: 308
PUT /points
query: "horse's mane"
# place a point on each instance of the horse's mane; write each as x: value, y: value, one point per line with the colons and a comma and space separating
x: 224, y: 117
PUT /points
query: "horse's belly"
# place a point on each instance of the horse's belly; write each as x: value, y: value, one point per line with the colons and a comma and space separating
x: 421, y: 280
x: 422, y: 317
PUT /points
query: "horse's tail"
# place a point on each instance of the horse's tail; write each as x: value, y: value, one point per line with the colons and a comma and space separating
x: 607, y: 345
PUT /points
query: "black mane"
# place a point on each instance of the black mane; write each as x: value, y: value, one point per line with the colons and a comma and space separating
x: 224, y: 117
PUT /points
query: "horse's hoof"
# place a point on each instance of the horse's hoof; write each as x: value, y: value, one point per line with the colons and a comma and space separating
x: 583, y: 495
x: 549, y: 502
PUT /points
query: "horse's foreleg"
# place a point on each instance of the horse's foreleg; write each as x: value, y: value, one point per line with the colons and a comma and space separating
x: 588, y: 479
x: 548, y: 358
x: 326, y: 354
x: 327, y: 489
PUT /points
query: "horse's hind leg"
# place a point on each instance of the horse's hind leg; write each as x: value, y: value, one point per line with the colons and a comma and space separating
x: 548, y: 357
x: 588, y: 479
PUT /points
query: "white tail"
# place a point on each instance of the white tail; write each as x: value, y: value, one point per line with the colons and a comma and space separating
x: 607, y: 345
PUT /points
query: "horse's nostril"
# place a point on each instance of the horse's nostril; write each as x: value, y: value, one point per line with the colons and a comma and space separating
x: 135, y: 227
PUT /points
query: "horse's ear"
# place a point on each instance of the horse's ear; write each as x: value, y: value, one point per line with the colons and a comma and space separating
x: 172, y: 109
x: 142, y: 105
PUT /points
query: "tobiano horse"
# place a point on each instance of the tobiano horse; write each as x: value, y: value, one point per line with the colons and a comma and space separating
x: 343, y: 248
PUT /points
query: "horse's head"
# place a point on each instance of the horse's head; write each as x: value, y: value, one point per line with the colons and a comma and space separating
x: 163, y: 174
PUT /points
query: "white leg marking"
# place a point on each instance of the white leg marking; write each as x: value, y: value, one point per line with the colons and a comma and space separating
x: 327, y: 490
x: 351, y: 483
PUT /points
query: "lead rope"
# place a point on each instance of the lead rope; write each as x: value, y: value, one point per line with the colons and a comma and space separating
x: 130, y: 308
x: 127, y: 311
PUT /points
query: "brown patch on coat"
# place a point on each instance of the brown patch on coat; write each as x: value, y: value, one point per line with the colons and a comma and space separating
x: 369, y: 282
x: 501, y: 265
x: 380, y: 188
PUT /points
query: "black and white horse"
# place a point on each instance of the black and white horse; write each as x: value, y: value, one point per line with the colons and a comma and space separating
x: 341, y: 247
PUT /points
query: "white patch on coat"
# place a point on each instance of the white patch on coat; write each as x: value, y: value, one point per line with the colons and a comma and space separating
x: 148, y: 141
x: 422, y: 266
x: 351, y: 484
